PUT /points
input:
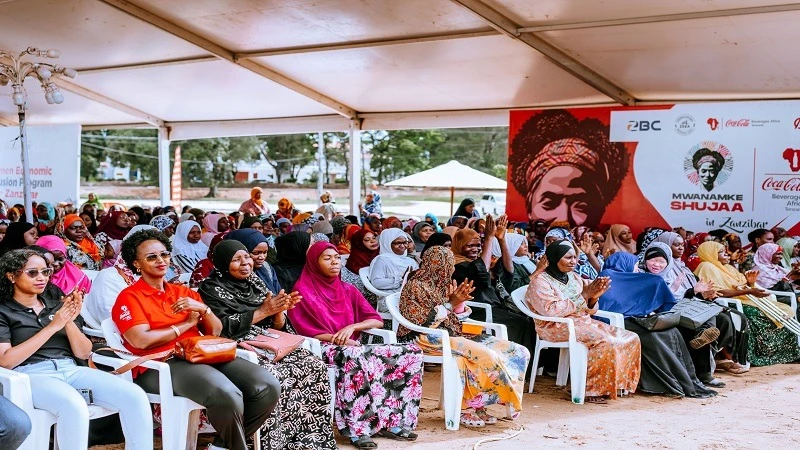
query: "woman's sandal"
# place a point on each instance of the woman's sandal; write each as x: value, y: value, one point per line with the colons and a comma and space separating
x: 403, y: 435
x: 736, y: 369
x: 365, y: 442
x: 487, y: 418
x: 596, y: 400
x: 715, y: 383
x: 724, y: 365
x: 469, y: 419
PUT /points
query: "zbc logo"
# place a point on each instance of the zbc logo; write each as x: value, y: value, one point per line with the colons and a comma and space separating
x: 644, y: 125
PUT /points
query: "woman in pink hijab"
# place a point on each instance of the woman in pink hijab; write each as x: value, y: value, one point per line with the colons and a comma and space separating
x: 213, y: 224
x: 66, y: 276
x: 378, y: 387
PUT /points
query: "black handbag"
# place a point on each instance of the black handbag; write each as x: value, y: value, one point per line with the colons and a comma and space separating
x: 660, y: 321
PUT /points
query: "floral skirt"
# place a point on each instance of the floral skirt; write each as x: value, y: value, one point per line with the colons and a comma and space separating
x: 302, y: 419
x: 377, y: 386
x: 492, y: 370
x: 768, y: 344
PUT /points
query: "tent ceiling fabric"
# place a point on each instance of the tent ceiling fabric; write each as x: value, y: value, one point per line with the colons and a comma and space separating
x: 452, y: 174
x: 226, y: 67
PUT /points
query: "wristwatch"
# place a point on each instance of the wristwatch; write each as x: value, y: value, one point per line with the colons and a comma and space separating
x: 448, y: 306
x: 207, y: 311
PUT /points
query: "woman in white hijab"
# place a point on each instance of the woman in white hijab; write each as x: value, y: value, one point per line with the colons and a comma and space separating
x: 187, y: 250
x: 387, y: 270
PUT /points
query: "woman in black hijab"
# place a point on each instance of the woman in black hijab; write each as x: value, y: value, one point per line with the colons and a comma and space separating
x: 248, y: 310
x: 467, y: 209
x: 442, y: 239
x: 18, y: 235
x: 291, y: 257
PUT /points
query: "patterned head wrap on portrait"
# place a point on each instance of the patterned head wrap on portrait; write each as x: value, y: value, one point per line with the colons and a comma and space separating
x: 557, y: 138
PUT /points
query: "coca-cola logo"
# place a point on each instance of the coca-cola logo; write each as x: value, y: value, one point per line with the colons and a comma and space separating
x: 737, y: 123
x: 792, y: 156
x: 713, y: 123
x: 790, y: 184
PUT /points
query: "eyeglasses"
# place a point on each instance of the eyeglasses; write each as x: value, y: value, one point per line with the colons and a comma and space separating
x: 403, y: 242
x: 153, y: 257
x: 33, y: 273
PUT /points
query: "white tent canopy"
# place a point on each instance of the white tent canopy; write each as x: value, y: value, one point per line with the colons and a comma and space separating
x: 453, y: 175
x: 202, y: 68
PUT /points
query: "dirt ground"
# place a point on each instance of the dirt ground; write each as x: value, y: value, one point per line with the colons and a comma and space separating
x: 755, y: 411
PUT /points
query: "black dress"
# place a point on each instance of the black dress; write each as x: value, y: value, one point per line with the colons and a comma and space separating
x: 667, y: 367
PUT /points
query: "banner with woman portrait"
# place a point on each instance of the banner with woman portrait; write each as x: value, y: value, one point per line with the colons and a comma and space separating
x: 734, y: 166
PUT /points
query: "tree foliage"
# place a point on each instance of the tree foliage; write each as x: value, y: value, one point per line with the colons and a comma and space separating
x: 212, y: 162
x: 286, y: 153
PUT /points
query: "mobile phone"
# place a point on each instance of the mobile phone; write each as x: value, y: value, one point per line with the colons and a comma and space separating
x: 87, y: 396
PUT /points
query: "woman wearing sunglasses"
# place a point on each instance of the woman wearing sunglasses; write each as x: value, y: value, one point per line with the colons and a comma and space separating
x: 40, y: 335
x: 152, y: 315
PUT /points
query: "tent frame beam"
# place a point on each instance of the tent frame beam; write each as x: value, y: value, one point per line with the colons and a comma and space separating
x: 663, y: 18
x: 370, y: 43
x: 560, y: 58
x: 226, y: 54
x: 6, y: 122
x: 70, y: 86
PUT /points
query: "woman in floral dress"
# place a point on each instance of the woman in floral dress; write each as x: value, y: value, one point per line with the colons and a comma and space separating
x: 614, y: 359
x: 378, y: 387
x: 492, y: 370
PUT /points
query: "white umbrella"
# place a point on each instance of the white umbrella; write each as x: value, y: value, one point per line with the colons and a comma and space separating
x: 452, y: 175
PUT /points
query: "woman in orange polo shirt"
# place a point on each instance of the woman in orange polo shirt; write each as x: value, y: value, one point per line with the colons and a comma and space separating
x: 152, y: 315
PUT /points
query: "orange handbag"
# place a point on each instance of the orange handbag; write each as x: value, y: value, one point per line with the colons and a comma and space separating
x: 205, y: 350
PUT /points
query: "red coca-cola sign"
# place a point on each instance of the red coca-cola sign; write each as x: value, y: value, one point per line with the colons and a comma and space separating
x: 790, y: 184
x: 792, y: 156
x: 737, y: 123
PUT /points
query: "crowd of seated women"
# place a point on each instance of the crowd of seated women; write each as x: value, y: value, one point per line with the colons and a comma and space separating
x: 255, y: 272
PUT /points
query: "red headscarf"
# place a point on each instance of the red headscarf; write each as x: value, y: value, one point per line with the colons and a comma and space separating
x: 690, y: 253
x: 360, y: 255
x: 110, y: 228
x: 329, y: 304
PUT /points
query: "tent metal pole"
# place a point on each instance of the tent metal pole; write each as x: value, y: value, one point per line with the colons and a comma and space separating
x: 26, y: 175
x: 320, y: 162
x: 164, y: 170
x: 452, y: 198
x: 355, y: 166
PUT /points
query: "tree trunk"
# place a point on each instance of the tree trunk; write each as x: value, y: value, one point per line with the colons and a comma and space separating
x: 213, y: 192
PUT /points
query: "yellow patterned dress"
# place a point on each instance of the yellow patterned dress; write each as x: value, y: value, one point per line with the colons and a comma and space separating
x: 614, y: 358
x: 492, y: 370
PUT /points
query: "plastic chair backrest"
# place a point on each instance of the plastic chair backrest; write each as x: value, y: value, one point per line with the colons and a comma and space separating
x: 518, y: 297
x: 112, y: 334
x: 91, y: 274
x: 363, y: 273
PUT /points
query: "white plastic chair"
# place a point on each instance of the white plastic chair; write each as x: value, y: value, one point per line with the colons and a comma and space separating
x: 363, y: 273
x: 179, y: 415
x: 17, y: 388
x: 91, y: 274
x: 573, y: 355
x: 451, y: 389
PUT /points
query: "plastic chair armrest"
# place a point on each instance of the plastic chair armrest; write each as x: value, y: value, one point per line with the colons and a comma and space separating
x: 314, y: 346
x: 388, y: 336
x: 616, y: 319
x: 93, y: 332
x: 483, y: 306
x: 500, y: 330
x: 247, y: 355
